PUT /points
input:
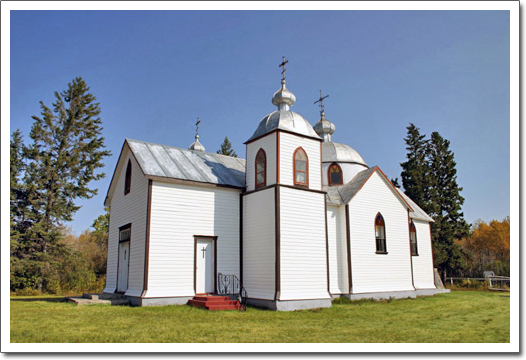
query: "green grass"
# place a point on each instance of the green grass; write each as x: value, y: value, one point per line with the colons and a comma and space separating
x: 461, y: 316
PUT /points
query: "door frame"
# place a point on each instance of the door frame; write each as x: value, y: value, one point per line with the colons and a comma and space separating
x: 213, y: 239
x: 124, y: 227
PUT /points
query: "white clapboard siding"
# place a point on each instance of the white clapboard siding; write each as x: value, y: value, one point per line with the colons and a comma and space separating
x: 259, y: 244
x: 303, y: 254
x: 288, y: 144
x: 373, y: 272
x: 348, y: 171
x: 338, y: 265
x: 178, y: 213
x: 268, y: 144
x: 423, y: 263
x: 126, y: 209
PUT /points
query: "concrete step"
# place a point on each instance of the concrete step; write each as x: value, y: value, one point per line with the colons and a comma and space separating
x: 103, y: 296
x: 85, y: 301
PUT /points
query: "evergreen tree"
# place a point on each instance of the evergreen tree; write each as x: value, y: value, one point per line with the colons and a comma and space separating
x: 226, y: 148
x: 415, y: 171
x: 445, y: 206
x: 62, y: 160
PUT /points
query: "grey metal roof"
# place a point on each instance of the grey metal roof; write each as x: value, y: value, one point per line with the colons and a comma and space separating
x: 336, y: 152
x: 417, y: 212
x: 284, y: 120
x: 176, y: 163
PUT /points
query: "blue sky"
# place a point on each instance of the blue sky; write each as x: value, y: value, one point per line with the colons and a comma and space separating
x: 155, y: 72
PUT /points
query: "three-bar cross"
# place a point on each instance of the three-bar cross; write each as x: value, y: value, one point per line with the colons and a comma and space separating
x: 320, y: 100
x: 283, y: 66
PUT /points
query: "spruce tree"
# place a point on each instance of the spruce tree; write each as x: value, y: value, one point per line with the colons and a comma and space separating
x: 415, y: 171
x: 226, y: 148
x: 445, y: 206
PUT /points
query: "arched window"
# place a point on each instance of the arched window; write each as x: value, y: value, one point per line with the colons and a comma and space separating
x: 379, y: 229
x: 412, y: 237
x: 127, y: 181
x: 301, y: 168
x: 261, y: 169
x: 335, y: 175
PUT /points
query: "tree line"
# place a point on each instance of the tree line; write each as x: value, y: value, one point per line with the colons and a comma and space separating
x: 429, y: 177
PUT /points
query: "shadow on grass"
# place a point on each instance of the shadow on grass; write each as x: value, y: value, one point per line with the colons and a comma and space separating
x: 52, y: 300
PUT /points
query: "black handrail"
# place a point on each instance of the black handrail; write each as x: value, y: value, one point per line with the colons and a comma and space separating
x: 228, y: 284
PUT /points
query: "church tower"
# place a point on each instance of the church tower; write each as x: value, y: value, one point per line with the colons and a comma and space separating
x: 284, y: 243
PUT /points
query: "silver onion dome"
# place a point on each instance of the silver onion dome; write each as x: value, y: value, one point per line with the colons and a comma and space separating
x: 340, y: 153
x: 196, y: 145
x: 324, y: 128
x: 283, y: 98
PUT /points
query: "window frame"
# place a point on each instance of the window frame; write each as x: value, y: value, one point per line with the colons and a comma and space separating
x: 413, y: 245
x: 329, y: 174
x: 264, y: 154
x: 297, y: 183
x: 127, y: 178
x: 378, y: 240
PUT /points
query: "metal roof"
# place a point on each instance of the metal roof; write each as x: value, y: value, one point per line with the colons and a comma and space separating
x: 417, y: 212
x: 284, y: 120
x: 176, y: 163
x: 336, y: 152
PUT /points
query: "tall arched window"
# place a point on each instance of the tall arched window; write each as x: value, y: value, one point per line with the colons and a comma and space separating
x: 335, y: 175
x: 301, y: 168
x: 379, y: 229
x: 412, y: 237
x: 261, y: 169
x: 127, y: 180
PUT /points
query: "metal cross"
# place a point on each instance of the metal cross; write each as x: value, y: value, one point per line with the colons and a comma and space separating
x: 283, y: 66
x: 203, y: 250
x: 320, y: 100
x: 197, y: 125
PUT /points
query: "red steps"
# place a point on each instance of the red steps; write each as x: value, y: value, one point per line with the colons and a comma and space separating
x: 215, y: 302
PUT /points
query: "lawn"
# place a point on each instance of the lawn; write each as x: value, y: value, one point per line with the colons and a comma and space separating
x: 461, y: 316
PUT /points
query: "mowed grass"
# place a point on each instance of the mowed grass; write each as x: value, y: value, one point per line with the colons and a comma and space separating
x: 460, y: 316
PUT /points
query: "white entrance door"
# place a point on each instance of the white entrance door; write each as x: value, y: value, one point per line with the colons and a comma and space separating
x: 124, y: 260
x: 204, y: 266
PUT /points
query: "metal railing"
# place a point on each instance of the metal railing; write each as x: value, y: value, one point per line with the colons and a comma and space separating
x: 501, y: 283
x: 228, y: 284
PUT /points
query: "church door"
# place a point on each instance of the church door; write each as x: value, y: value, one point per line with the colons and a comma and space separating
x: 124, y: 261
x: 204, y: 266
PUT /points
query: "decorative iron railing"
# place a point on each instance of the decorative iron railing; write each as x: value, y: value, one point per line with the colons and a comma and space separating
x: 231, y: 285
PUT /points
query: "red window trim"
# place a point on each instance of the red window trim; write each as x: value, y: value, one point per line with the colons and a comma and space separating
x: 127, y: 179
x: 384, y: 240
x: 329, y: 174
x: 412, y: 229
x: 264, y: 183
x: 306, y: 168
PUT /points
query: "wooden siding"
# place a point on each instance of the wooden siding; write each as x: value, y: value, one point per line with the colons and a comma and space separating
x: 423, y: 263
x: 288, y: 144
x: 259, y: 244
x: 126, y: 209
x: 338, y: 267
x: 348, y: 171
x: 267, y: 143
x: 379, y: 272
x: 178, y: 213
x: 303, y: 245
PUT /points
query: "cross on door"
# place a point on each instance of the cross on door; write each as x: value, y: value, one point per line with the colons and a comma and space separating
x: 203, y: 250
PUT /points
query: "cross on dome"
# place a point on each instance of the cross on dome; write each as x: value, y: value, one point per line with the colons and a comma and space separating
x: 196, y: 145
x: 283, y: 66
x: 320, y: 100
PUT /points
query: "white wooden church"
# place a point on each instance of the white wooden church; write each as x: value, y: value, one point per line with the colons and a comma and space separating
x: 301, y: 221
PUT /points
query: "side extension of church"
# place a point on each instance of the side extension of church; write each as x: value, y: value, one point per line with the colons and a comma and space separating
x: 301, y: 221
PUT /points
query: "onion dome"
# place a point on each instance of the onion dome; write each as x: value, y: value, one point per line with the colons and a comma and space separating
x: 196, y: 145
x: 340, y: 153
x: 284, y: 118
x: 324, y: 128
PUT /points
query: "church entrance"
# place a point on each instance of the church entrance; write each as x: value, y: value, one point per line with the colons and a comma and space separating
x: 124, y: 261
x: 205, y: 265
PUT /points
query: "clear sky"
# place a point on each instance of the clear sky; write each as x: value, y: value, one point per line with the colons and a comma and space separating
x: 155, y: 72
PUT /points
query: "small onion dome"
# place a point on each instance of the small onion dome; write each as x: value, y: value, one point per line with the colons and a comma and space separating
x: 196, y: 145
x: 339, y: 153
x: 283, y: 98
x: 324, y: 128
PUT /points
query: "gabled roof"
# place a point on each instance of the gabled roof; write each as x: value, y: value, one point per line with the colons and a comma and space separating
x: 417, y: 212
x: 343, y: 194
x: 161, y: 161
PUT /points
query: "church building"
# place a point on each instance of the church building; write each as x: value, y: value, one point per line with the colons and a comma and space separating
x: 302, y: 220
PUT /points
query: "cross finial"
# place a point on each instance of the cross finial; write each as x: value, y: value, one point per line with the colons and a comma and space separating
x: 197, y: 127
x: 283, y: 66
x: 320, y: 100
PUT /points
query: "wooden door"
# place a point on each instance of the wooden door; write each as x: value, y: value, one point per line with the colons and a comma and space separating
x: 124, y: 261
x: 204, y: 266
